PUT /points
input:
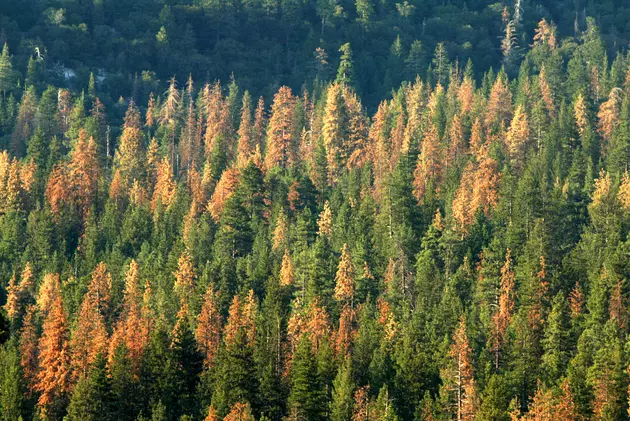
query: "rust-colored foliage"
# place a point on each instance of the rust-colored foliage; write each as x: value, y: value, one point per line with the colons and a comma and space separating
x: 12, y: 305
x: 246, y: 147
x: 130, y: 328
x: 212, y: 414
x: 287, y: 273
x: 84, y: 172
x: 208, y: 333
x: 281, y: 145
x: 11, y: 186
x: 18, y: 293
x: 48, y: 289
x: 360, y: 410
x: 548, y: 405
x: 545, y: 34
x: 325, y: 221
x: 457, y: 140
x: 576, y: 300
x: 378, y: 143
x: 601, y: 193
x: 414, y: 97
x: 117, y: 190
x: 240, y: 412
x: 608, y: 115
x: 505, y: 307
x: 150, y: 114
x: 165, y: 187
x: 224, y: 189
x: 565, y: 408
x: 344, y: 280
x: 218, y: 118
x: 386, y: 318
x: 280, y: 232
x: 129, y: 156
x: 58, y: 192
x: 517, y: 136
x: 478, y: 190
x: 90, y: 337
x: 53, y: 379
x: 185, y: 279
x: 346, y: 331
x: 77, y: 182
x: 313, y: 321
x: 459, y: 377
x: 168, y: 112
x: 499, y: 108
x: 29, y: 347
x: 241, y: 318
x: 429, y: 168
x: 466, y: 95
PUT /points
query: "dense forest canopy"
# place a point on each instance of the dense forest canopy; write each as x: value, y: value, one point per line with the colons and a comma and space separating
x: 314, y: 211
x: 269, y: 43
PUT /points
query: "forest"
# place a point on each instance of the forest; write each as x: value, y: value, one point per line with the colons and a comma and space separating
x: 314, y: 211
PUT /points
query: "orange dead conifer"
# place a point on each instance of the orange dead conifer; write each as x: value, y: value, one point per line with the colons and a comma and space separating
x: 129, y: 155
x: 165, y: 187
x: 428, y: 171
x: 53, y: 379
x: 459, y: 377
x: 84, y: 172
x: 185, y: 279
x: 128, y: 329
x: 517, y: 136
x: 499, y: 108
x: 90, y: 337
x: 240, y: 412
x: 280, y: 232
x: 246, y: 146
x: 345, y: 332
x: 212, y: 415
x: 13, y: 300
x: 287, y: 274
x: 208, y: 332
x: 223, y: 191
x: 241, y: 319
x: 457, y: 141
x: 545, y: 34
x: 576, y: 300
x: 58, y: 191
x: 505, y: 306
x: 325, y: 221
x: 280, y: 140
x: 360, y: 410
x: 48, y: 289
x: 344, y: 279
x: 29, y: 347
x: 608, y: 115
x: 466, y: 95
